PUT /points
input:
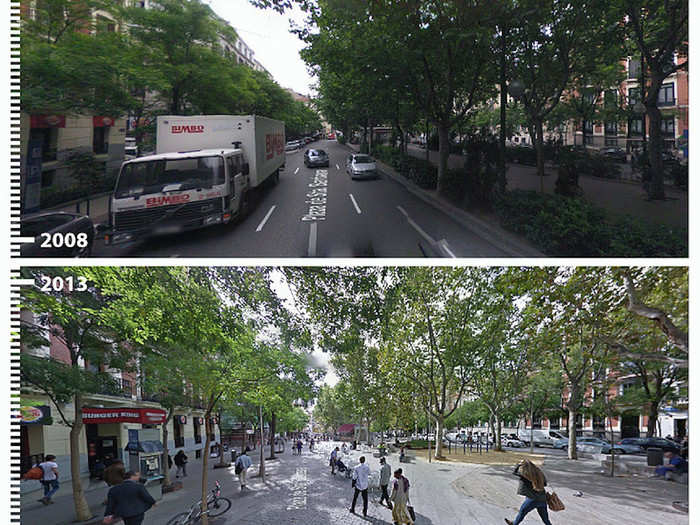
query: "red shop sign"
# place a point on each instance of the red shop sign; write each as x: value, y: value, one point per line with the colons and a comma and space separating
x: 151, y: 416
x: 182, y: 420
x: 102, y: 122
x: 48, y: 121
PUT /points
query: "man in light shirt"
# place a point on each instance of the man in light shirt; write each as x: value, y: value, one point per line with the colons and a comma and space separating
x: 49, y: 479
x: 243, y: 463
x: 360, y: 477
x: 384, y: 479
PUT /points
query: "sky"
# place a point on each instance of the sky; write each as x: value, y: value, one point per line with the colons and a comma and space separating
x: 267, y: 33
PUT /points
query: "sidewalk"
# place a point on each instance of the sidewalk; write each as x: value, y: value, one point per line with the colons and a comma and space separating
x: 98, y: 207
x: 61, y: 512
x: 619, y: 197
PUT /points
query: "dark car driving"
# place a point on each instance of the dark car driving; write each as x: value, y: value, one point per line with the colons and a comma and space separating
x: 314, y: 158
x: 57, y: 234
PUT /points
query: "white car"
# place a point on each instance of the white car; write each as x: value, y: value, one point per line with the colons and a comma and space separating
x: 361, y: 166
x: 512, y: 442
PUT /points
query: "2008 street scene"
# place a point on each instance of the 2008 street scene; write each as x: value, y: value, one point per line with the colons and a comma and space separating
x: 503, y: 131
x: 251, y: 395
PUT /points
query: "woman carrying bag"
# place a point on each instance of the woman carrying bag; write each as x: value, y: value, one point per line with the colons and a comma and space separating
x: 532, y: 484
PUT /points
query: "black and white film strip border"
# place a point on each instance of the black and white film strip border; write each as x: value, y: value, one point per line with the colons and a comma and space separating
x: 15, y: 155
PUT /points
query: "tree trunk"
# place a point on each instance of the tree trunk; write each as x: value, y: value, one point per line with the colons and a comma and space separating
x: 205, y: 463
x: 653, y: 418
x: 498, y: 434
x: 244, y: 438
x: 427, y: 136
x: 439, y: 425
x: 656, y: 184
x: 532, y: 426
x: 539, y: 145
x: 261, y: 469
x: 444, y: 147
x: 222, y: 459
x: 82, y: 509
x: 166, y: 450
x: 572, y: 434
x: 273, y: 425
x: 502, y: 180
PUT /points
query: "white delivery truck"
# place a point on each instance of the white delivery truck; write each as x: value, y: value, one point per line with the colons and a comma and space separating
x: 539, y: 437
x: 206, y: 170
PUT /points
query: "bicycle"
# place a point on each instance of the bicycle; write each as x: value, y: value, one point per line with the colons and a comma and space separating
x: 216, y: 506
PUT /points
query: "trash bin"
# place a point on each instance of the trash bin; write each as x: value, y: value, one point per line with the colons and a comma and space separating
x: 655, y: 457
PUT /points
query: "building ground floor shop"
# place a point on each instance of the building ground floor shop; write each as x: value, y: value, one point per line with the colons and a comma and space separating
x: 111, y: 430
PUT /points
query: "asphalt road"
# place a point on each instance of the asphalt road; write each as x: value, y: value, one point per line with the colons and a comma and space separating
x: 363, y: 218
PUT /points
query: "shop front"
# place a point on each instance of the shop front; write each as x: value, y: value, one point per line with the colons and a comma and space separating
x: 31, y: 424
x: 107, y: 432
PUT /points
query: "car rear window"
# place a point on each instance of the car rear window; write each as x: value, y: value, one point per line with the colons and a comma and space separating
x: 363, y: 159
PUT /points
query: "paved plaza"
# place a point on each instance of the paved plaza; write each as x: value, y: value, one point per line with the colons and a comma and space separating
x: 301, y: 490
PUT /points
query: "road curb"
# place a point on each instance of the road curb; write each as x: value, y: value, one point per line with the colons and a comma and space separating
x: 495, y: 235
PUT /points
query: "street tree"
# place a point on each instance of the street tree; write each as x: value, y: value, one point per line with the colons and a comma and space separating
x: 75, y: 319
x: 659, y: 30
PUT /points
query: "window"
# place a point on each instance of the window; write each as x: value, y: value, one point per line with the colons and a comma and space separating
x: 554, y: 423
x: 588, y: 127
x: 666, y: 97
x: 48, y: 137
x: 178, y: 436
x: 197, y: 430
x: 633, y: 96
x: 579, y: 421
x: 634, y: 68
x: 610, y: 98
x: 47, y: 178
x: 610, y: 129
x: 668, y: 127
x: 636, y: 126
x: 598, y: 423
x: 537, y: 422
x: 100, y: 139
x: 234, y: 165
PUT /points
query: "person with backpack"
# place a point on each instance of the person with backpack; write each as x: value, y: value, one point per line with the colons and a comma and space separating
x: 181, y: 464
x: 532, y: 484
x: 243, y: 463
x: 49, y: 478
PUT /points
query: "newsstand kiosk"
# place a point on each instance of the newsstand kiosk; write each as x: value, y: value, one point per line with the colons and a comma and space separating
x: 146, y: 455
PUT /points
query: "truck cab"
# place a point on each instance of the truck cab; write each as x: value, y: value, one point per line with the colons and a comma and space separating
x: 175, y: 192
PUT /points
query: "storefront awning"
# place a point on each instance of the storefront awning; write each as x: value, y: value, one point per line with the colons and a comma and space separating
x: 150, y: 416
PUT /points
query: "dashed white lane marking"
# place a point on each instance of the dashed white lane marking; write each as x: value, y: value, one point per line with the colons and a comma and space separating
x: 313, y: 234
x: 296, y: 171
x: 262, y: 224
x: 416, y: 227
x: 354, y: 202
x: 337, y: 167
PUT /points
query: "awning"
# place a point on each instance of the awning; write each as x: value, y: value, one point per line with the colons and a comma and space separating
x: 102, y: 122
x: 347, y: 427
x: 47, y: 121
x: 150, y: 416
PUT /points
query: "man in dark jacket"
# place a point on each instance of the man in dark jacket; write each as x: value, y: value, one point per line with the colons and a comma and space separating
x: 114, y: 474
x: 129, y: 500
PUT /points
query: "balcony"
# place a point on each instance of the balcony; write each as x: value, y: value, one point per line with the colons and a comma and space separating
x: 119, y: 387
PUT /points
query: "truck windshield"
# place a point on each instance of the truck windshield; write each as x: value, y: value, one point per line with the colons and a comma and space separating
x: 155, y: 176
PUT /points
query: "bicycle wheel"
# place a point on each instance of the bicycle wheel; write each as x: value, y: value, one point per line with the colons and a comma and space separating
x: 219, y: 506
x: 181, y: 519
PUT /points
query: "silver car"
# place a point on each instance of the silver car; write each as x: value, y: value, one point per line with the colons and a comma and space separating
x: 360, y: 166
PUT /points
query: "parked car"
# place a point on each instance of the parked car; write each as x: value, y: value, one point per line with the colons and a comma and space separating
x: 614, y: 153
x: 331, y: 136
x: 57, y: 234
x: 654, y: 442
x: 359, y: 165
x: 561, y: 443
x: 513, y: 442
x: 316, y: 158
x: 592, y: 444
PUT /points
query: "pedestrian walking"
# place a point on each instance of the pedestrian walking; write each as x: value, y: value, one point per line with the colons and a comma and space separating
x: 49, y: 478
x: 384, y: 479
x: 181, y: 464
x: 300, y: 445
x: 128, y: 500
x: 334, y: 459
x: 532, y: 484
x: 114, y: 475
x: 243, y: 463
x: 399, y: 496
x: 360, y: 482
x: 311, y: 445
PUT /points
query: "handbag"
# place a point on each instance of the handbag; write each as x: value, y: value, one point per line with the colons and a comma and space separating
x: 34, y: 473
x: 553, y: 502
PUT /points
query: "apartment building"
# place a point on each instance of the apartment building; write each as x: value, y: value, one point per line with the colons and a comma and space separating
x: 108, y: 417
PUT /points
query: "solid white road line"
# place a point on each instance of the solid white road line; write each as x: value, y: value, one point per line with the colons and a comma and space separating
x: 296, y: 171
x: 313, y: 234
x: 262, y: 224
x: 354, y: 202
x: 416, y: 227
